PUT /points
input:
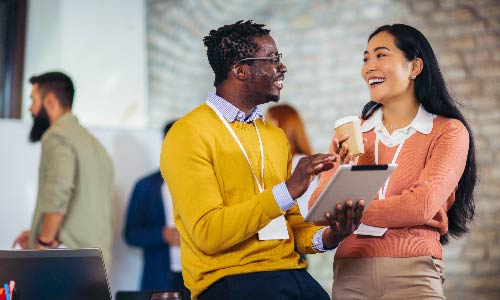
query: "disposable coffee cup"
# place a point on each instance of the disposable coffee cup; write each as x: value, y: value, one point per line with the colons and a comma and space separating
x: 351, y: 126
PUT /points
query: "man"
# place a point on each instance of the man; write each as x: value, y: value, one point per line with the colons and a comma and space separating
x: 150, y: 225
x: 229, y: 175
x: 75, y: 185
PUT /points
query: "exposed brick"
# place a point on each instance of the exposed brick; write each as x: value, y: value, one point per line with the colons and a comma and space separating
x: 423, y: 6
x: 466, y: 28
x: 463, y: 89
x: 482, y: 282
x: 490, y: 12
x: 480, y: 56
x: 483, y: 235
x: 494, y: 252
x: 488, y: 40
x: 474, y: 253
x: 476, y: 295
x: 447, y: 4
x: 462, y: 14
x: 449, y: 59
x: 464, y: 42
x: 440, y: 17
x: 491, y: 88
x: 455, y: 74
x: 486, y: 268
x: 457, y: 269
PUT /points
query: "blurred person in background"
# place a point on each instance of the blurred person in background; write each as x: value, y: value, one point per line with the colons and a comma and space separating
x: 288, y: 118
x: 75, y: 184
x: 413, y: 121
x: 150, y: 226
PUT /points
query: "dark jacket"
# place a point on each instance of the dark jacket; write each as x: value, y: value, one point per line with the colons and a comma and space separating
x: 143, y: 228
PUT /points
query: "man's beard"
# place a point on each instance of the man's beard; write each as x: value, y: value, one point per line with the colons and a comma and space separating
x: 41, y: 123
x: 273, y: 98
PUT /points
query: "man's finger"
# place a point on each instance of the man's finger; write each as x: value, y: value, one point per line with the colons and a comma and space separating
x: 340, y: 217
x: 358, y: 213
x: 349, y: 212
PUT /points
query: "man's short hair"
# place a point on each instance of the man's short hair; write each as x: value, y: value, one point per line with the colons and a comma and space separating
x: 58, y: 83
x: 231, y: 43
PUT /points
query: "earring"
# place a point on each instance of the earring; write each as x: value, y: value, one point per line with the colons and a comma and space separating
x: 413, y: 77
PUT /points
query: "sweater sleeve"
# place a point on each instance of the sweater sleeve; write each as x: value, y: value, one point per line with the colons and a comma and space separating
x: 437, y: 181
x: 187, y: 164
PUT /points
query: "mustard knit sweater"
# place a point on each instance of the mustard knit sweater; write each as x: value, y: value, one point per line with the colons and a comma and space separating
x: 218, y: 209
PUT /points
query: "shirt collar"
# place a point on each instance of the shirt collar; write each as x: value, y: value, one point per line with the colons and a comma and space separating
x: 422, y: 122
x: 231, y: 113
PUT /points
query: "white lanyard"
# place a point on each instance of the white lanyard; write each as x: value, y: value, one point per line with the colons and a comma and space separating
x: 217, y: 112
x: 383, y: 190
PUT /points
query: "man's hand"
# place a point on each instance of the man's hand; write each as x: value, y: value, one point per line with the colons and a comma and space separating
x: 22, y: 240
x: 171, y: 236
x: 306, y: 169
x: 344, y: 220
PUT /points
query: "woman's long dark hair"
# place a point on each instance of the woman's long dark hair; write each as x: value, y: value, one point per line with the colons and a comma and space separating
x: 432, y: 93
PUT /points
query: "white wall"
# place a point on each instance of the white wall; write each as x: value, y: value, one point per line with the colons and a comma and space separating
x: 134, y: 154
x: 102, y: 46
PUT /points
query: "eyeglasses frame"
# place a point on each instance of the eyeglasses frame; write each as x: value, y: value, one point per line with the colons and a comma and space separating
x: 279, y: 57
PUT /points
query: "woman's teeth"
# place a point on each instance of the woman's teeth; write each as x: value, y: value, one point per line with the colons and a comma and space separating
x: 374, y: 81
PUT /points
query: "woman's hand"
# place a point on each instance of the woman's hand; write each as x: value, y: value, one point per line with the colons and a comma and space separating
x: 340, y: 148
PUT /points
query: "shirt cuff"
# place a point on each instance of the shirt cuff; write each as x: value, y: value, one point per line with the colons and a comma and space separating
x: 282, y: 197
x: 317, y: 241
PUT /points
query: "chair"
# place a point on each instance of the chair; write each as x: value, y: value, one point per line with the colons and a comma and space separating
x: 142, y: 295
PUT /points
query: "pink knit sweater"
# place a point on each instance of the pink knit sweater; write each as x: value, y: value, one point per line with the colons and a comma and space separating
x: 420, y: 192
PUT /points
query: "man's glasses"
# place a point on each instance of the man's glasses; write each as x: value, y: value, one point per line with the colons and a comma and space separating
x: 275, y: 59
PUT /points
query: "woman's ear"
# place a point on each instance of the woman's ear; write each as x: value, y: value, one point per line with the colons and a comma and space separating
x: 417, y: 67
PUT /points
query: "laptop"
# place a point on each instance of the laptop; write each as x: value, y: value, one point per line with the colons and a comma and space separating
x: 56, y: 274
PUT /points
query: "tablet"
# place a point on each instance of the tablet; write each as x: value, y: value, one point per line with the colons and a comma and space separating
x: 350, y: 182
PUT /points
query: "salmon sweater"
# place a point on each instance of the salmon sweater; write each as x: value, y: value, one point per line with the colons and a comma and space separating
x: 218, y: 208
x: 420, y: 192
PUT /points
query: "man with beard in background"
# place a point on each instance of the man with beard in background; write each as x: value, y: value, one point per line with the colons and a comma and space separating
x: 75, y: 184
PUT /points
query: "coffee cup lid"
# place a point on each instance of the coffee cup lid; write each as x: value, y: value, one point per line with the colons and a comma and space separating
x: 346, y: 120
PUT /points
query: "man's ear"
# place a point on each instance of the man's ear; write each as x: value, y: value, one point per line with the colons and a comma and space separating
x: 240, y: 72
x: 50, y: 102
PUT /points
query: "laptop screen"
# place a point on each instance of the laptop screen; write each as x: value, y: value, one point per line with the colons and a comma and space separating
x: 58, y: 274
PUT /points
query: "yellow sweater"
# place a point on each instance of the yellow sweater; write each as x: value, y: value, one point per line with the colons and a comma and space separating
x: 218, y: 209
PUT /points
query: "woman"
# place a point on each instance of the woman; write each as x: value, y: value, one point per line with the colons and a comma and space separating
x: 414, y: 122
x: 287, y: 118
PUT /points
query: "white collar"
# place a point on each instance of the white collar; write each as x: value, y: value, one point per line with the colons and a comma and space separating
x: 422, y: 122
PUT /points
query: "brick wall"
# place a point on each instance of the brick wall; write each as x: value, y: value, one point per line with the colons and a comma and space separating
x: 322, y: 44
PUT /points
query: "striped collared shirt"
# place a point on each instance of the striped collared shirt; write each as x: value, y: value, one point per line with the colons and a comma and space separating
x: 231, y: 113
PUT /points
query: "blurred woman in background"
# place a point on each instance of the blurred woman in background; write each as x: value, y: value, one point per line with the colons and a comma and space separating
x: 287, y: 118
